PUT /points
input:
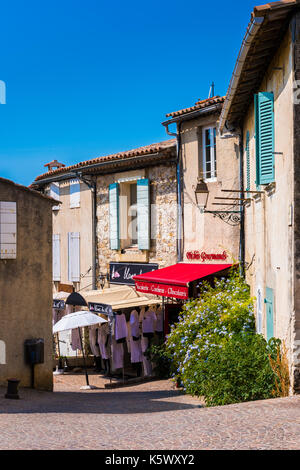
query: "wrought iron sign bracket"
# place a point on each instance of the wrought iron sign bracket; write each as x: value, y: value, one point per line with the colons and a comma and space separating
x: 229, y: 217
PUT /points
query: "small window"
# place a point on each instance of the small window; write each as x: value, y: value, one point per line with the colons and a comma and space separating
x: 74, y: 193
x: 8, y: 230
x: 209, y: 153
x: 55, y: 194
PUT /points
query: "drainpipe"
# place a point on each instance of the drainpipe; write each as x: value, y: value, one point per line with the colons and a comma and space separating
x: 179, y: 190
x: 242, y: 224
x: 94, y: 234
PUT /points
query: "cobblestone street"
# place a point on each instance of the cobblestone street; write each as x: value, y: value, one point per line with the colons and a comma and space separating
x: 147, y: 416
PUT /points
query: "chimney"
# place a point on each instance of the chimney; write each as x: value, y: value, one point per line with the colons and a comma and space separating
x: 53, y: 165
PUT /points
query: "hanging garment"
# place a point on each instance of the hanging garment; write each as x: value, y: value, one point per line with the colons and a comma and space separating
x: 75, y: 339
x: 128, y: 337
x: 117, y: 354
x: 134, y: 324
x: 136, y: 354
x: 159, y: 326
x: 148, y: 323
x: 120, y: 327
x: 144, y: 343
x: 147, y: 367
x: 93, y: 337
x: 103, y: 340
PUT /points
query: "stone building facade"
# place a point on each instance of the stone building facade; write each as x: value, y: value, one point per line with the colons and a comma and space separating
x: 162, y: 212
x: 89, y: 218
x: 25, y: 282
x: 205, y: 156
x: 264, y: 112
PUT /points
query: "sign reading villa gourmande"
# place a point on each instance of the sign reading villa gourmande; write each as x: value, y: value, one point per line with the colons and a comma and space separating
x: 205, y: 256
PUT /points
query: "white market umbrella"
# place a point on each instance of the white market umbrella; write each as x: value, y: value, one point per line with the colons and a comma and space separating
x: 79, y: 320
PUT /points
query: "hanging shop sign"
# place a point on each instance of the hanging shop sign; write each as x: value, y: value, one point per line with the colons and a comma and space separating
x: 122, y: 273
x: 165, y: 290
x: 197, y: 255
x: 105, y: 309
x: 59, y: 304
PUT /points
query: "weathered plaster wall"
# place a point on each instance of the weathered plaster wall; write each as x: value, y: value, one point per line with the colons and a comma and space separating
x: 26, y: 288
x: 296, y: 194
x: 163, y: 218
x: 204, y: 232
x: 268, y: 218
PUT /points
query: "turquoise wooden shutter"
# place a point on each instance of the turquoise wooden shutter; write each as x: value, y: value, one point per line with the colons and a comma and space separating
x: 248, y: 161
x: 265, y: 137
x: 143, y: 213
x: 269, y: 301
x: 114, y: 226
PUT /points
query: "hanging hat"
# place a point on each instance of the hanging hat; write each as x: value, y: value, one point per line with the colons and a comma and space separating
x: 76, y: 299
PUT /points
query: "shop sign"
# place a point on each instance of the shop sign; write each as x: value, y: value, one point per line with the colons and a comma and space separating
x: 122, y: 273
x: 197, y: 255
x: 164, y: 290
x: 59, y: 304
x: 105, y: 309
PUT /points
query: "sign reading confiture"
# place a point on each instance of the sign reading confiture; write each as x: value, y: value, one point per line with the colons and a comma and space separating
x: 105, y: 309
x: 59, y: 304
x: 165, y: 290
x: 122, y: 273
x: 191, y: 255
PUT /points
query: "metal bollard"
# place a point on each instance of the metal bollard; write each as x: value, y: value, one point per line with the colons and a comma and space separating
x: 12, y: 389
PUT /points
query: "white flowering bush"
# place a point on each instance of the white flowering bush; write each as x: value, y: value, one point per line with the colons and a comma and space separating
x: 221, y: 311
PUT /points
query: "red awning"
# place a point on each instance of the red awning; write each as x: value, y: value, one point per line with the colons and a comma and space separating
x: 173, y: 281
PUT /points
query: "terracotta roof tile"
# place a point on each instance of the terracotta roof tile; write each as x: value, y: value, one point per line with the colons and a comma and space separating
x: 200, y: 104
x: 140, y: 151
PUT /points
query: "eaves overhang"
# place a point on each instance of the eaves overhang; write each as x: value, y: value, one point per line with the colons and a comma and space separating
x: 264, y: 33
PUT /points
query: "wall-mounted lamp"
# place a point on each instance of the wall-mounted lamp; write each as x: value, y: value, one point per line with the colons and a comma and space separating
x: 201, y: 194
x: 232, y: 217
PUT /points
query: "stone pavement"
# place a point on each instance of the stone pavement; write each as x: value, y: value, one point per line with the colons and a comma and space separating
x: 147, y: 416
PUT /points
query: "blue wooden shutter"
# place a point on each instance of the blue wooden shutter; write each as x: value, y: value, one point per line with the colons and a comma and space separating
x: 269, y: 301
x: 114, y: 225
x: 143, y: 212
x: 265, y: 137
x: 248, y: 161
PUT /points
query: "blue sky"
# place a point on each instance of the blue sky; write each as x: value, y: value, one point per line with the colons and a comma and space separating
x: 89, y: 78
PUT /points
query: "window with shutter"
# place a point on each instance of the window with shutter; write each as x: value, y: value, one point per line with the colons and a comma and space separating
x: 143, y: 211
x: 74, y: 193
x: 74, y: 256
x: 114, y: 226
x: 56, y: 257
x: 55, y: 194
x: 8, y: 230
x: 248, y: 161
x: 264, y: 124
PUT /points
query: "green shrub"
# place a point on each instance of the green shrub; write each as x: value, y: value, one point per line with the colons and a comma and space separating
x: 220, y: 312
x: 238, y: 370
x: 216, y: 353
